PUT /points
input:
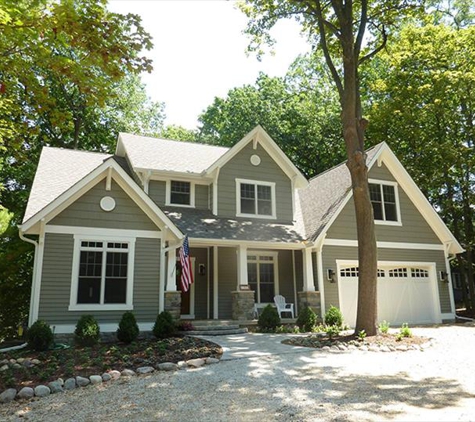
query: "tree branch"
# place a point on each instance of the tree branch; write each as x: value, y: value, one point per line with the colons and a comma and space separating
x: 362, y: 28
x: 376, y: 50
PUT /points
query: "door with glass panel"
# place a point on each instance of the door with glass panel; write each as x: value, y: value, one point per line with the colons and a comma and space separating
x: 261, y: 273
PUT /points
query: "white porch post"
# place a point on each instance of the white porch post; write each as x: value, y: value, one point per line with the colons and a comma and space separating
x: 215, y: 282
x: 242, y: 266
x: 171, y: 271
x: 308, y: 281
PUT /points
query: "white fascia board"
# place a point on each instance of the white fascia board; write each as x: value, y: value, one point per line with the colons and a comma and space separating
x: 259, y: 134
x: 77, y: 190
x: 196, y: 242
x: 175, y: 175
x: 386, y: 245
x: 406, y: 182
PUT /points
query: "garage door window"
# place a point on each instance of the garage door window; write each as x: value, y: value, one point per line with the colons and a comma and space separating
x: 354, y: 272
x: 397, y: 272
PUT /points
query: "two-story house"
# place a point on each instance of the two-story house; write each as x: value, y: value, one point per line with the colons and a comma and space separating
x: 108, y: 228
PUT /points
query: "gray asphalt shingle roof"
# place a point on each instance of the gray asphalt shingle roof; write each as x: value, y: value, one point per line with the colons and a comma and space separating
x: 166, y: 155
x: 318, y: 202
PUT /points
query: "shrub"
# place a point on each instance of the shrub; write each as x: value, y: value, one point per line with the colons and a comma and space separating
x: 87, y: 331
x: 332, y: 330
x: 185, y: 326
x: 128, y: 330
x: 405, y: 331
x: 362, y: 335
x: 40, y: 336
x: 307, y: 319
x: 334, y: 317
x: 284, y: 329
x: 164, y: 325
x: 384, y: 327
x: 269, y: 319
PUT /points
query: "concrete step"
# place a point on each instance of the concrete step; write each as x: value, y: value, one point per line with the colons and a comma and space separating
x: 216, y: 331
x: 204, y: 327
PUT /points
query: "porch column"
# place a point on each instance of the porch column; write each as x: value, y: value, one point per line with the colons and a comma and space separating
x: 242, y: 266
x: 171, y: 271
x: 308, y: 281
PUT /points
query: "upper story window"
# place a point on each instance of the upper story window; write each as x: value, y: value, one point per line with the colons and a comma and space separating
x: 103, y: 275
x: 180, y: 193
x: 385, y: 201
x: 255, y: 199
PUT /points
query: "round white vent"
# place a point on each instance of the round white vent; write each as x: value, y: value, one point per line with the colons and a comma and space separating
x: 255, y: 160
x: 107, y: 203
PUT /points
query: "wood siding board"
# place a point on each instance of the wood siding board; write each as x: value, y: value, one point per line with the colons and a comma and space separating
x: 332, y: 253
x: 201, y: 197
x: 157, y: 191
x: 227, y: 282
x: 86, y: 211
x: 268, y: 171
x: 414, y: 229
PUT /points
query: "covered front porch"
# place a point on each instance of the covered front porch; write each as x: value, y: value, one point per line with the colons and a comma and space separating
x: 233, y: 278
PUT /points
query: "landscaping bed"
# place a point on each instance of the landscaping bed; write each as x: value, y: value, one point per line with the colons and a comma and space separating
x: 24, y: 367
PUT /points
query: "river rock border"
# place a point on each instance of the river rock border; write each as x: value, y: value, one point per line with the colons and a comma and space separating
x: 60, y: 385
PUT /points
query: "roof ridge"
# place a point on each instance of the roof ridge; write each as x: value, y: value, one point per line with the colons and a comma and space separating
x: 82, y: 151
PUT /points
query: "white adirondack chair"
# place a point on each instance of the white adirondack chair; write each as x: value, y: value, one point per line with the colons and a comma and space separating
x: 282, y: 306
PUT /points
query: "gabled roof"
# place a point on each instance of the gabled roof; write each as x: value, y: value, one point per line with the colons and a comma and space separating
x: 321, y: 202
x: 166, y: 155
x: 259, y: 135
x: 67, y: 187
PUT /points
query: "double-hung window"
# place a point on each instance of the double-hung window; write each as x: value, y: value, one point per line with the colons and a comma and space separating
x: 385, y: 201
x: 255, y: 199
x: 103, y: 275
x: 180, y: 193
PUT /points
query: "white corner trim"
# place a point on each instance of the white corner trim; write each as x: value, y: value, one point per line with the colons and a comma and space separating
x: 215, y: 192
x: 386, y: 245
x: 321, y: 279
x: 128, y: 305
x: 256, y: 183
x: 100, y: 232
x: 36, y: 289
x: 215, y: 282
x: 168, y: 193
x: 162, y: 276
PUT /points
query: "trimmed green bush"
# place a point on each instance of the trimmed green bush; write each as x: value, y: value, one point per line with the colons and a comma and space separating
x: 40, y: 337
x: 307, y: 319
x: 164, y: 325
x: 269, y: 319
x: 87, y: 332
x: 334, y: 317
x: 128, y: 330
x: 384, y: 327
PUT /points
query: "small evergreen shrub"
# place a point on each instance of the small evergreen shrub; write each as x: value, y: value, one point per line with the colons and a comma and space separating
x: 39, y: 336
x: 128, y: 330
x: 185, y: 326
x: 269, y: 319
x: 87, y: 332
x: 334, y: 317
x: 405, y: 331
x: 384, y: 327
x: 164, y: 325
x: 307, y: 319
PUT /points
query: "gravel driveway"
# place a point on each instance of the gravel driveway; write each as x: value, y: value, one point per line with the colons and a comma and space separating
x: 276, y: 382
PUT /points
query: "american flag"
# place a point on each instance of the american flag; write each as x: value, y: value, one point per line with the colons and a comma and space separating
x: 185, y: 260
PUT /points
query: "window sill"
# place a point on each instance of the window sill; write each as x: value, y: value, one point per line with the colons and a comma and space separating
x: 266, y: 217
x: 387, y: 223
x: 168, y: 204
x: 94, y: 307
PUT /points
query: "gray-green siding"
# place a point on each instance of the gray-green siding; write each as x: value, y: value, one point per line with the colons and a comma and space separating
x: 414, y: 227
x: 227, y: 280
x: 57, y: 274
x: 157, y: 192
x: 331, y: 253
x: 240, y: 167
x: 86, y: 211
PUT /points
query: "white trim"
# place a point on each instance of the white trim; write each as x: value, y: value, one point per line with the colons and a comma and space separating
x: 294, y: 279
x: 259, y: 135
x: 447, y: 316
x: 207, y: 284
x: 215, y: 192
x: 450, y: 284
x: 201, y: 242
x: 255, y: 183
x: 109, y: 179
x: 171, y: 270
x: 308, y: 280
x: 242, y: 276
x: 275, y: 262
x: 33, y: 276
x: 431, y: 266
x: 38, y: 275
x: 215, y: 282
x: 93, y: 231
x: 162, y: 276
x: 385, y: 222
x: 386, y: 245
x: 321, y: 278
x: 128, y: 305
x: 168, y: 193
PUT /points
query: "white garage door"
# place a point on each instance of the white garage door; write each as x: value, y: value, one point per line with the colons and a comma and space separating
x: 405, y: 294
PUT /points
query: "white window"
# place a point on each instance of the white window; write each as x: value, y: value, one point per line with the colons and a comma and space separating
x: 262, y: 276
x: 255, y: 199
x: 180, y: 193
x: 385, y: 200
x: 102, y: 274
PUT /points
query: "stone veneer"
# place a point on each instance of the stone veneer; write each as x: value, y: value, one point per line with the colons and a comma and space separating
x: 242, y: 305
x: 173, y: 303
x: 311, y: 299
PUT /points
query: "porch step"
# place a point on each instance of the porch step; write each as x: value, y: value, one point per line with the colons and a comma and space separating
x: 215, y: 330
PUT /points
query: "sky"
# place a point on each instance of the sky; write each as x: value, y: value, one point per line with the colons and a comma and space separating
x: 200, y: 52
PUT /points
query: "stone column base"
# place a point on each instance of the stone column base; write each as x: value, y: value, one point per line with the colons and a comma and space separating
x: 311, y: 299
x: 173, y: 303
x: 243, y: 305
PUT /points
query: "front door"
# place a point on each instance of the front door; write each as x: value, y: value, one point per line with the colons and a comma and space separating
x: 187, y: 298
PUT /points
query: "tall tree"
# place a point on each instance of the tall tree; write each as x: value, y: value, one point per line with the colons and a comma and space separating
x: 348, y: 33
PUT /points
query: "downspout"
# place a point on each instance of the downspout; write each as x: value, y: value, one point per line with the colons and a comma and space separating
x: 321, y: 280
x: 33, y: 278
x: 161, y: 290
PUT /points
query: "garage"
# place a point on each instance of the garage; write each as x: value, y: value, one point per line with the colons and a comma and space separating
x: 406, y: 293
